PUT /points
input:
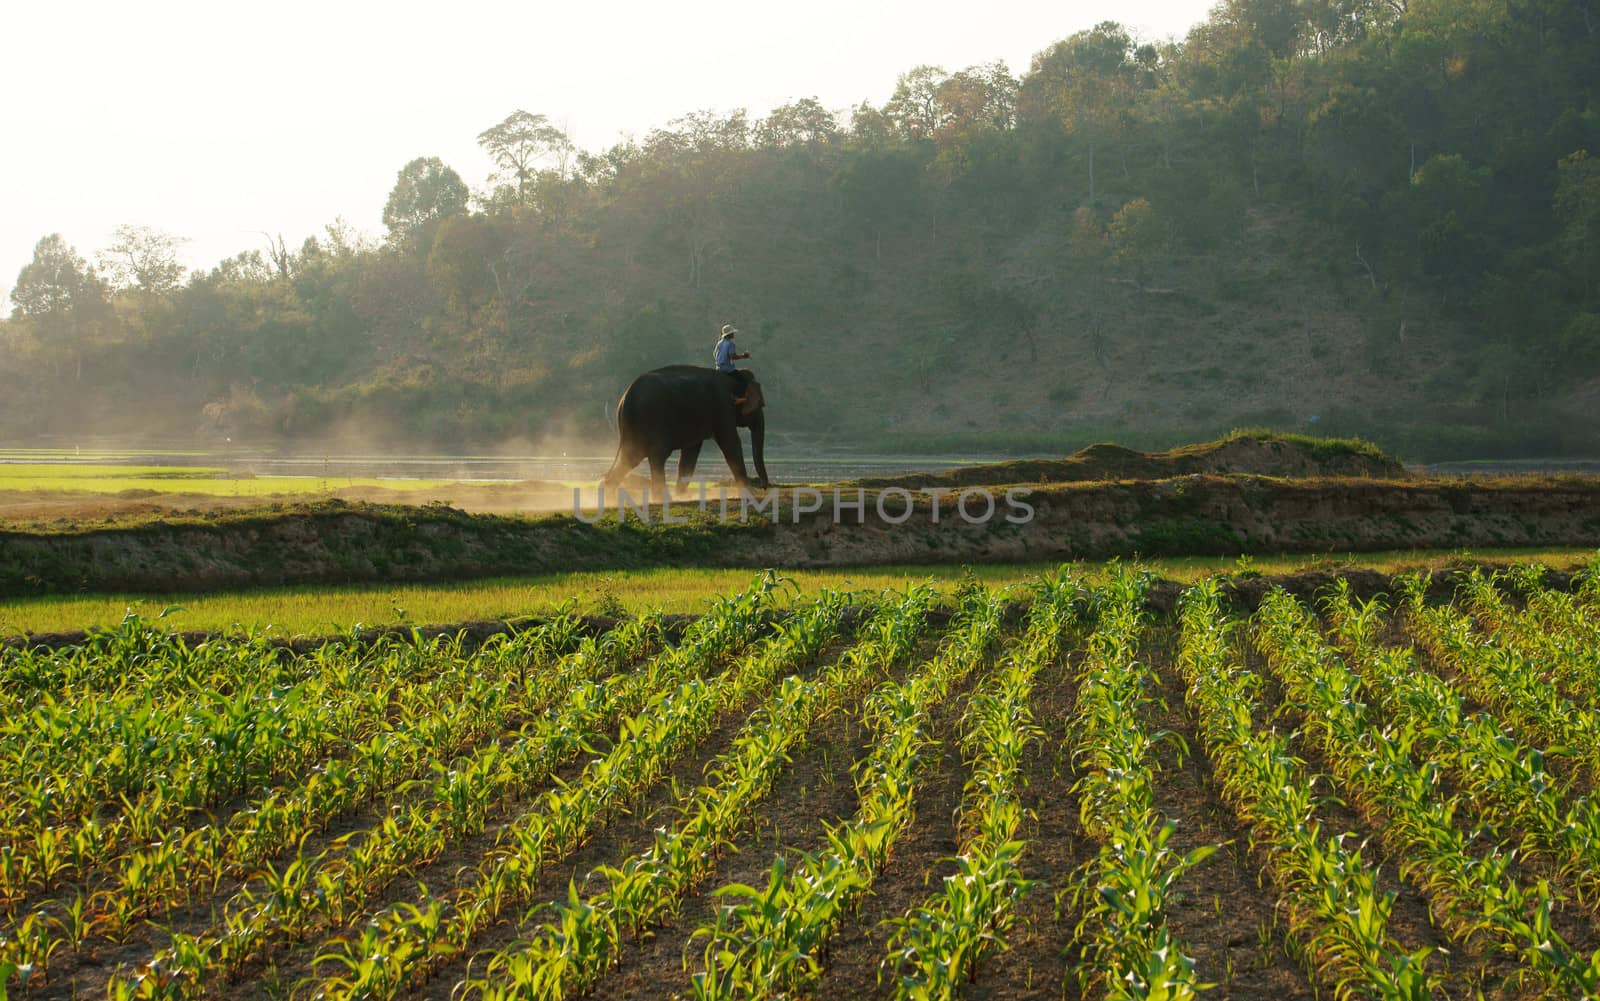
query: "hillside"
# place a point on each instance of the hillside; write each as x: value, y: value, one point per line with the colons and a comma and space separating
x: 1378, y: 225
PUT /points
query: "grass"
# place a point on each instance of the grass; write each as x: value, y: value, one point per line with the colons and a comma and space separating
x: 1320, y: 448
x: 322, y: 610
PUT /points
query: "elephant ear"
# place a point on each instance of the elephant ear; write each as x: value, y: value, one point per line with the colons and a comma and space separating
x: 753, y: 401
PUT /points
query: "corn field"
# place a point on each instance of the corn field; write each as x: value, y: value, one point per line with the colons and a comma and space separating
x: 1048, y: 791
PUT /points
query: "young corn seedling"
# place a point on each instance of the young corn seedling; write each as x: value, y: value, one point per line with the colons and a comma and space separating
x: 769, y: 941
x: 1474, y: 894
x: 666, y: 728
x: 1125, y: 891
x: 1336, y: 913
x: 938, y: 945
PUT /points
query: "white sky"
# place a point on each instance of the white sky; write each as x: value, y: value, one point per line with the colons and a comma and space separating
x: 218, y: 121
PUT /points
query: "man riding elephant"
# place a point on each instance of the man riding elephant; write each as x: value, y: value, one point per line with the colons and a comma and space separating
x: 724, y: 355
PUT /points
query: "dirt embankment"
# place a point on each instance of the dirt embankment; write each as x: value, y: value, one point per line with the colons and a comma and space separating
x: 1257, y: 454
x: 1209, y: 515
x: 1194, y: 515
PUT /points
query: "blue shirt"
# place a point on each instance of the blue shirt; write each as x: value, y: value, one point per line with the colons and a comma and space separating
x: 723, y: 355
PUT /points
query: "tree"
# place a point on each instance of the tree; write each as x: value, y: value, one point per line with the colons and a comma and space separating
x: 914, y: 108
x: 521, y: 142
x: 426, y: 192
x: 247, y: 267
x: 1089, y: 251
x: 802, y: 123
x: 1354, y: 144
x: 54, y: 282
x: 700, y: 132
x: 344, y: 240
x: 144, y: 257
x: 1580, y: 341
x: 465, y: 263
x: 1137, y: 234
x: 977, y: 101
x: 1577, y: 205
x: 1275, y: 25
x: 879, y: 189
x: 1447, y: 206
x: 977, y: 98
x: 1087, y: 82
x: 870, y: 128
x: 61, y: 299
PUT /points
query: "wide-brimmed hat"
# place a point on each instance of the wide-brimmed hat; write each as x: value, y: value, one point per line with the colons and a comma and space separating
x: 727, y: 330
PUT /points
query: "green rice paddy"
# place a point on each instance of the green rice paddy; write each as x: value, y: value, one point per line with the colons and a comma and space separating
x: 74, y: 477
x: 318, y: 610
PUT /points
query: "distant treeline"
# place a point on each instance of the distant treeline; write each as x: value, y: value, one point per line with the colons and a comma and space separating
x: 1386, y: 211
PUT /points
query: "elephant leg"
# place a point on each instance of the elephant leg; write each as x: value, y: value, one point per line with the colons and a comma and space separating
x: 658, y: 477
x: 727, y: 436
x: 628, y: 456
x: 686, y: 463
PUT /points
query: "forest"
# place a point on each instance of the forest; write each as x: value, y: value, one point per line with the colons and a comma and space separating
x: 1363, y: 217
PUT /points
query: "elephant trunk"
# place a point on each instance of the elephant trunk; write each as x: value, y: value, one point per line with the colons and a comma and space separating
x: 758, y: 448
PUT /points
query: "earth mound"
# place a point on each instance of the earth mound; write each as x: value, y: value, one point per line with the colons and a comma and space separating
x: 1259, y: 453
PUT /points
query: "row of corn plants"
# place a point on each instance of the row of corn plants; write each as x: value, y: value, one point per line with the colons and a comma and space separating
x: 1473, y: 896
x: 582, y: 937
x: 1577, y: 610
x: 487, y: 692
x: 1554, y: 629
x: 311, y: 893
x: 770, y: 941
x: 1124, y: 892
x: 401, y: 946
x: 139, y: 655
x: 157, y: 767
x: 169, y: 867
x: 1503, y: 778
x: 1507, y: 679
x: 937, y: 946
x: 1587, y: 585
x: 1336, y: 913
x: 82, y: 752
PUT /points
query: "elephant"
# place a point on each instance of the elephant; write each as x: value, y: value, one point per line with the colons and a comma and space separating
x: 675, y: 409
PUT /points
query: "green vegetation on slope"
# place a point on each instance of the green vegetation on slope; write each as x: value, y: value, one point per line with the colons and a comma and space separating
x: 1372, y: 218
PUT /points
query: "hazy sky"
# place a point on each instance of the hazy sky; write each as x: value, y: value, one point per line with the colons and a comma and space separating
x: 218, y: 121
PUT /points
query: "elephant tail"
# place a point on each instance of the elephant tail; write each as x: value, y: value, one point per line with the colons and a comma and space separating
x: 630, y: 445
x: 615, y: 474
x: 628, y: 454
